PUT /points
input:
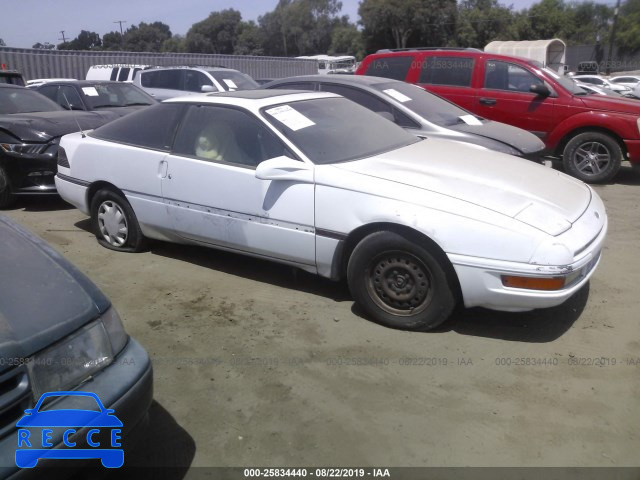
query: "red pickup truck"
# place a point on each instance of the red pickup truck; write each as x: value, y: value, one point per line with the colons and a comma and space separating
x: 592, y: 134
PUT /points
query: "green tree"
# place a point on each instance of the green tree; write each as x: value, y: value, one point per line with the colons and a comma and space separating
x: 347, y: 40
x: 483, y: 21
x: 218, y: 33
x: 544, y: 20
x: 176, y: 44
x: 146, y: 37
x: 300, y: 27
x: 84, y: 41
x: 112, y: 41
x: 588, y: 23
x: 250, y: 41
x: 628, y: 34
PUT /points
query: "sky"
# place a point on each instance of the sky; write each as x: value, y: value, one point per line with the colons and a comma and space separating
x: 26, y: 22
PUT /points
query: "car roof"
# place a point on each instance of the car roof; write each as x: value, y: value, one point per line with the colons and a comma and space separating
x: 455, y: 52
x: 257, y: 98
x: 10, y: 85
x: 338, y: 79
x: 83, y: 83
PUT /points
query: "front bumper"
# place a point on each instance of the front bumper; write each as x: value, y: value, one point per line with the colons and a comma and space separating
x: 481, y: 279
x: 31, y: 176
x: 126, y: 385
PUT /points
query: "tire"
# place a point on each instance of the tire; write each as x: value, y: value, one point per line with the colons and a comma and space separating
x: 400, y: 283
x: 115, y: 224
x: 6, y: 196
x: 592, y: 157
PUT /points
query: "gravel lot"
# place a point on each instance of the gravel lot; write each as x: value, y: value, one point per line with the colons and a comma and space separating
x: 257, y: 365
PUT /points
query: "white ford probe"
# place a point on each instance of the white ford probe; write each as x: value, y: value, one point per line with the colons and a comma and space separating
x: 316, y: 181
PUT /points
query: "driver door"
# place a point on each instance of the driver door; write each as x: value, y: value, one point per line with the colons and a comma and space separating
x: 213, y: 196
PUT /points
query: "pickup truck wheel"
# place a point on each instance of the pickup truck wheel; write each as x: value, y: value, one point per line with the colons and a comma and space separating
x: 593, y: 157
x: 400, y: 283
x: 115, y: 224
x: 6, y: 196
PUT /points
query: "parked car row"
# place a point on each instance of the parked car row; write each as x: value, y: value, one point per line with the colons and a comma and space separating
x: 592, y: 134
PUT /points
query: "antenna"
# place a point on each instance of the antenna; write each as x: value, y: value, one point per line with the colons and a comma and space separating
x: 74, y: 117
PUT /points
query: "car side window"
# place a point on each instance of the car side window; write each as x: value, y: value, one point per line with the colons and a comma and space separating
x: 453, y: 71
x: 50, y: 91
x: 194, y: 81
x: 170, y: 79
x: 371, y: 102
x: 228, y: 135
x: 124, y: 74
x: 500, y: 75
x: 395, y: 67
x: 69, y: 96
x: 114, y: 74
x: 153, y: 127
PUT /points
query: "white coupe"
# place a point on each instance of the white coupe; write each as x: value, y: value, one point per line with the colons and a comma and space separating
x: 316, y: 181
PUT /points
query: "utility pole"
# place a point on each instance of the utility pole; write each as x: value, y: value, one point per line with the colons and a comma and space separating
x: 613, y: 36
x: 120, y: 22
x: 63, y: 37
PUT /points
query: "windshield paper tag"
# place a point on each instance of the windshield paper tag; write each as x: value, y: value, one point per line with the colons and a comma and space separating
x: 90, y: 91
x: 401, y: 97
x: 230, y: 83
x: 290, y: 117
x: 470, y: 120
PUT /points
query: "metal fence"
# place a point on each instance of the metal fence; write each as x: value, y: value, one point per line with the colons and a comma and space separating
x: 35, y: 63
x: 618, y: 63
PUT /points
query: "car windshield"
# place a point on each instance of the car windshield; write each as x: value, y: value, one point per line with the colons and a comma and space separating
x: 333, y: 130
x: 104, y: 95
x: 429, y: 106
x: 232, y: 80
x: 23, y: 100
x: 567, y: 82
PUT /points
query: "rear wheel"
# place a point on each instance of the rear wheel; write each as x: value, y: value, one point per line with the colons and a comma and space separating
x: 6, y: 196
x: 400, y: 283
x: 593, y: 157
x: 114, y: 222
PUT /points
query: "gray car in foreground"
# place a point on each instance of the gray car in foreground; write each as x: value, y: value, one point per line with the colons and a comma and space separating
x: 58, y: 332
x: 420, y: 112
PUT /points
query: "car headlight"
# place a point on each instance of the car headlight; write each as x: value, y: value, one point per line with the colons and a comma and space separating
x: 24, y: 148
x: 77, y: 357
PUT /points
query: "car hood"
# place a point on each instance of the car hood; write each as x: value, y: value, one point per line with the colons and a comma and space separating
x: 531, y: 193
x: 611, y: 103
x: 517, y: 138
x: 34, y: 280
x: 41, y: 127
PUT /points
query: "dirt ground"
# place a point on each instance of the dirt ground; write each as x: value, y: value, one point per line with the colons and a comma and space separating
x: 256, y: 365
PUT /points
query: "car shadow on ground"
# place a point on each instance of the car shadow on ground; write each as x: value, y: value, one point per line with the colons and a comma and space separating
x: 36, y: 203
x: 535, y: 326
x: 163, y: 451
x: 627, y: 176
x: 254, y: 269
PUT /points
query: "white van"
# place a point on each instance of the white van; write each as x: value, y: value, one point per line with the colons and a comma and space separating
x: 118, y: 72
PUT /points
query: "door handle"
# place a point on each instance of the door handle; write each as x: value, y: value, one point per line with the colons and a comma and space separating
x: 488, y: 101
x: 163, y: 166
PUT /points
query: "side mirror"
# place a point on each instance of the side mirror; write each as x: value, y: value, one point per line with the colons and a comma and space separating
x: 208, y: 89
x: 285, y: 168
x: 540, y: 89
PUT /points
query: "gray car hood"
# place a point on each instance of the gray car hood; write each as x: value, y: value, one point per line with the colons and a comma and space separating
x: 518, y: 138
x: 43, y: 298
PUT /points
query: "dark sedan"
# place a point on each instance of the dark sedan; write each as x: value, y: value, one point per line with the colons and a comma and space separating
x: 30, y: 128
x: 119, y: 98
x: 421, y: 112
x: 59, y: 333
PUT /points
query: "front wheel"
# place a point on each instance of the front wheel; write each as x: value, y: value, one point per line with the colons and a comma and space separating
x: 592, y: 157
x: 114, y: 222
x: 400, y: 283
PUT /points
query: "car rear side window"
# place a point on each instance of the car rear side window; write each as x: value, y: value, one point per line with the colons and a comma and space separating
x: 152, y: 127
x: 454, y: 71
x: 124, y: 74
x: 395, y: 67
